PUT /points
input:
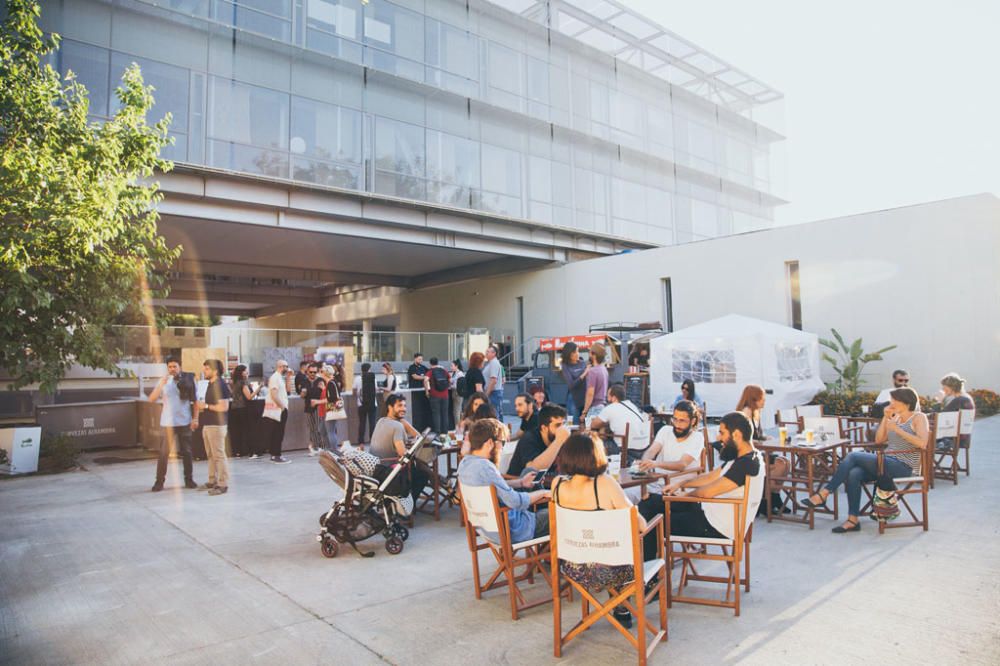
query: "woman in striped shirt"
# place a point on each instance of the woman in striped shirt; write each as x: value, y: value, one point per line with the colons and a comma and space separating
x: 903, y: 429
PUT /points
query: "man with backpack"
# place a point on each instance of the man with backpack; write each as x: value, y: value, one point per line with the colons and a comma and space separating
x: 437, y: 383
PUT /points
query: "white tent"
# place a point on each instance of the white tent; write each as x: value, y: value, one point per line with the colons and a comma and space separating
x: 725, y: 354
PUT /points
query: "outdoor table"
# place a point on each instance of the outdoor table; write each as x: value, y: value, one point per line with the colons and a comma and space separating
x: 444, y: 487
x: 811, y: 466
x: 628, y: 480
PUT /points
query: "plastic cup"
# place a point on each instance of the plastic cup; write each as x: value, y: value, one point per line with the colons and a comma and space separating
x: 810, y: 436
x: 783, y: 436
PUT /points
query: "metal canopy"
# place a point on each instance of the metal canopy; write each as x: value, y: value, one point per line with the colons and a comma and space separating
x: 610, y: 27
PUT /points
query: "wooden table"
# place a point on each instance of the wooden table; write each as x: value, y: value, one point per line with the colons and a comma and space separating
x: 811, y: 465
x: 443, y: 486
x: 627, y: 480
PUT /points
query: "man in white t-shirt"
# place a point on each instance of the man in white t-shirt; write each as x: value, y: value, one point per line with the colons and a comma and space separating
x: 493, y: 374
x: 620, y: 412
x: 900, y: 378
x: 676, y: 449
x: 276, y: 412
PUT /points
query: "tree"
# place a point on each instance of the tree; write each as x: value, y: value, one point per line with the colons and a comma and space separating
x: 851, y: 360
x: 79, y: 247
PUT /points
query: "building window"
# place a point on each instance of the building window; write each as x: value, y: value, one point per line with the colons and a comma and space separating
x: 668, y: 306
x: 794, y: 295
x: 715, y: 366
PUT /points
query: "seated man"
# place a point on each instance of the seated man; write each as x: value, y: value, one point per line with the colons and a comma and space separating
x: 616, y: 415
x: 525, y: 407
x: 390, y: 440
x: 677, y: 448
x: 479, y: 468
x: 537, y: 449
x: 900, y: 378
x: 740, y: 460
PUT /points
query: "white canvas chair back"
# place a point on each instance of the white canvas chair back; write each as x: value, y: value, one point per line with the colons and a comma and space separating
x: 968, y: 418
x: 809, y: 411
x: 786, y: 416
x: 755, y: 493
x: 506, y: 455
x: 822, y: 424
x: 480, y: 509
x: 603, y: 537
x: 947, y: 425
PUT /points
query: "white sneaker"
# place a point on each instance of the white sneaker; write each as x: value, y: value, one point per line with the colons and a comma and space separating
x: 313, y: 451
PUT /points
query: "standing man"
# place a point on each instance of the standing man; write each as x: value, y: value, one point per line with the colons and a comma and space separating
x: 437, y: 383
x: 214, y: 424
x: 390, y: 437
x: 177, y: 390
x: 312, y: 391
x: 364, y: 389
x: 276, y: 412
x: 302, y: 379
x: 596, y: 376
x: 415, y: 375
x: 620, y: 412
x: 493, y: 373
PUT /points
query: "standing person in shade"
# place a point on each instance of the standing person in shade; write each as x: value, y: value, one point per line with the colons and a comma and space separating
x: 312, y: 392
x: 387, y: 385
x: 330, y: 400
x: 493, y: 372
x: 474, y: 380
x: 364, y: 391
x: 573, y: 374
x: 458, y: 389
x: 176, y: 423
x: 437, y: 383
x: 415, y: 375
x: 596, y: 376
x: 214, y: 411
x: 239, y: 419
x: 276, y: 412
x: 302, y: 380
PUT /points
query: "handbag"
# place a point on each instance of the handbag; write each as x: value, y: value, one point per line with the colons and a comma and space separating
x: 885, y: 501
x: 335, y: 410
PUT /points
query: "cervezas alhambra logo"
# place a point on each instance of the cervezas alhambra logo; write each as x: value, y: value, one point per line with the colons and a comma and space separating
x: 588, y: 534
x: 88, y: 422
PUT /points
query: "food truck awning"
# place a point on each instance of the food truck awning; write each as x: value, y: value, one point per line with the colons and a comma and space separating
x: 581, y: 341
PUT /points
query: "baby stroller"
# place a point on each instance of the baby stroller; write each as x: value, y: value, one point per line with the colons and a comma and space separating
x: 376, y: 496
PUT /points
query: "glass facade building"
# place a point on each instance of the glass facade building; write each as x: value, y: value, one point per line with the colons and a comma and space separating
x: 493, y: 107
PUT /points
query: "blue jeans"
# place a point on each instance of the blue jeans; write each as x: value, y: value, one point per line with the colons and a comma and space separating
x: 572, y: 408
x: 496, y: 400
x: 859, y: 468
x: 333, y: 442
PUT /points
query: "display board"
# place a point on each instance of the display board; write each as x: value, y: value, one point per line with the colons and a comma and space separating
x: 91, y: 424
x: 339, y: 355
x: 292, y: 355
x: 637, y: 388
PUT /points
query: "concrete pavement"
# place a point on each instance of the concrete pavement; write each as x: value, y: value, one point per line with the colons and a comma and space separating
x: 95, y: 569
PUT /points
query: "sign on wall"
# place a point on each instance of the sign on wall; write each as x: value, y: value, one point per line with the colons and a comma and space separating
x: 91, y: 424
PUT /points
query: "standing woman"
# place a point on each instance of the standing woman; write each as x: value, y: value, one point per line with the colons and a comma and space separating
x: 239, y: 419
x: 576, y: 383
x: 386, y: 387
x: 475, y: 382
x: 333, y: 406
x: 750, y: 405
x: 457, y: 372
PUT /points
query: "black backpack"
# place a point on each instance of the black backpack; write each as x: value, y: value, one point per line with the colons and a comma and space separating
x: 186, y: 388
x: 439, y: 379
x: 462, y: 387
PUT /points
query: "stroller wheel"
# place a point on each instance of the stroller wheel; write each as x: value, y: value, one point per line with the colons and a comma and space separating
x: 402, y: 532
x: 394, y: 545
x: 329, y: 547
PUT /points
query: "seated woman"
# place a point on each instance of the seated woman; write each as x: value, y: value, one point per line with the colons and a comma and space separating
x: 955, y: 400
x: 751, y: 404
x: 904, y: 428
x: 475, y: 400
x: 484, y: 410
x: 584, y: 486
x: 688, y: 393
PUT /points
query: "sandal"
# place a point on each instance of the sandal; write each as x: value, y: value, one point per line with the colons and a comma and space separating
x: 840, y: 529
x: 807, y: 503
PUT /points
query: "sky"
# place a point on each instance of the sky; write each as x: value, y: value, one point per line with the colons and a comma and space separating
x: 887, y: 102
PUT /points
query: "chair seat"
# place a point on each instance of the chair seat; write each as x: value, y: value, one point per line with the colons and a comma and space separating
x: 530, y: 542
x: 907, y: 479
x: 650, y: 568
x: 709, y: 540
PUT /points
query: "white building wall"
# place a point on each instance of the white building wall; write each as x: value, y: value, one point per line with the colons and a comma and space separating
x: 923, y: 277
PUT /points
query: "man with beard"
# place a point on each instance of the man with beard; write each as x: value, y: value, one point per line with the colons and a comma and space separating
x: 537, y: 449
x: 740, y: 462
x: 677, y: 448
x: 486, y: 439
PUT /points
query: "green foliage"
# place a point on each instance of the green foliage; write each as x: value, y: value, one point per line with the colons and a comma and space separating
x: 79, y: 248
x: 987, y: 401
x: 837, y: 403
x: 849, y: 362
x: 60, y: 451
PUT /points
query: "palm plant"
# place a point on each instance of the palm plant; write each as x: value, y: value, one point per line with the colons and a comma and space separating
x: 849, y: 362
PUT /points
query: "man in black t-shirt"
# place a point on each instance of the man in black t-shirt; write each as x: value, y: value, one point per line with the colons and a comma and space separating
x: 313, y: 390
x: 524, y: 406
x: 740, y: 462
x: 420, y: 406
x: 537, y: 449
x: 302, y: 380
x: 214, y: 418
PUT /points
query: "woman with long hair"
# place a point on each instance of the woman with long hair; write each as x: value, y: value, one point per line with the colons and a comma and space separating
x: 751, y: 404
x: 688, y: 393
x: 239, y: 422
x: 475, y: 381
x: 573, y: 373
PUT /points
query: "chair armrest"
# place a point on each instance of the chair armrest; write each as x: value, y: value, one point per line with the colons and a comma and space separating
x: 710, y: 500
x: 651, y: 525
